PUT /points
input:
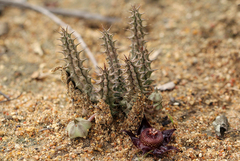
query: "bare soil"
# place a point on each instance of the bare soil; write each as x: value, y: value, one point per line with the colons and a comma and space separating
x: 196, y: 44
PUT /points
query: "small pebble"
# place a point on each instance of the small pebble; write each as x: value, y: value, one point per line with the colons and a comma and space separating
x: 221, y: 125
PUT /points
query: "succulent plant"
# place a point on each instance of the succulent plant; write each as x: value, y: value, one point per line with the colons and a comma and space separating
x: 156, y: 97
x: 118, y: 85
x: 77, y: 73
x: 139, y: 52
x: 151, y: 140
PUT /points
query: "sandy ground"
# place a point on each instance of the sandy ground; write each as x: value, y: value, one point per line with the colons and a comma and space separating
x: 196, y: 43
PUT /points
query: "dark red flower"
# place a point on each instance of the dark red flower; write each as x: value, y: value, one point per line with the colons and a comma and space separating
x: 150, y: 139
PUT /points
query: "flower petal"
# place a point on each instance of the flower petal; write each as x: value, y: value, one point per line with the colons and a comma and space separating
x: 144, y: 148
x: 144, y: 125
x: 167, y: 136
x: 163, y: 149
x: 134, y: 139
x: 78, y: 128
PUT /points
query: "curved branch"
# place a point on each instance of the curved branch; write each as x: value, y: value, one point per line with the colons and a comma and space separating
x: 8, y: 99
x: 83, y: 14
x: 56, y: 20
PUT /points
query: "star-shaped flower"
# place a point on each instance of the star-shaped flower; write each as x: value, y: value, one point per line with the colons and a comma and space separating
x: 149, y: 139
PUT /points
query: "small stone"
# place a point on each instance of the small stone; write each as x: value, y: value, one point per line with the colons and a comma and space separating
x: 221, y: 125
x: 37, y: 48
x: 2, y: 133
x: 176, y: 104
x: 167, y: 86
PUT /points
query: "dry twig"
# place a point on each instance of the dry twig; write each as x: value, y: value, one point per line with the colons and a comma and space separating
x: 55, y: 19
x: 8, y: 99
x: 82, y: 14
x: 234, y: 89
x: 5, y: 96
x: 230, y: 131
